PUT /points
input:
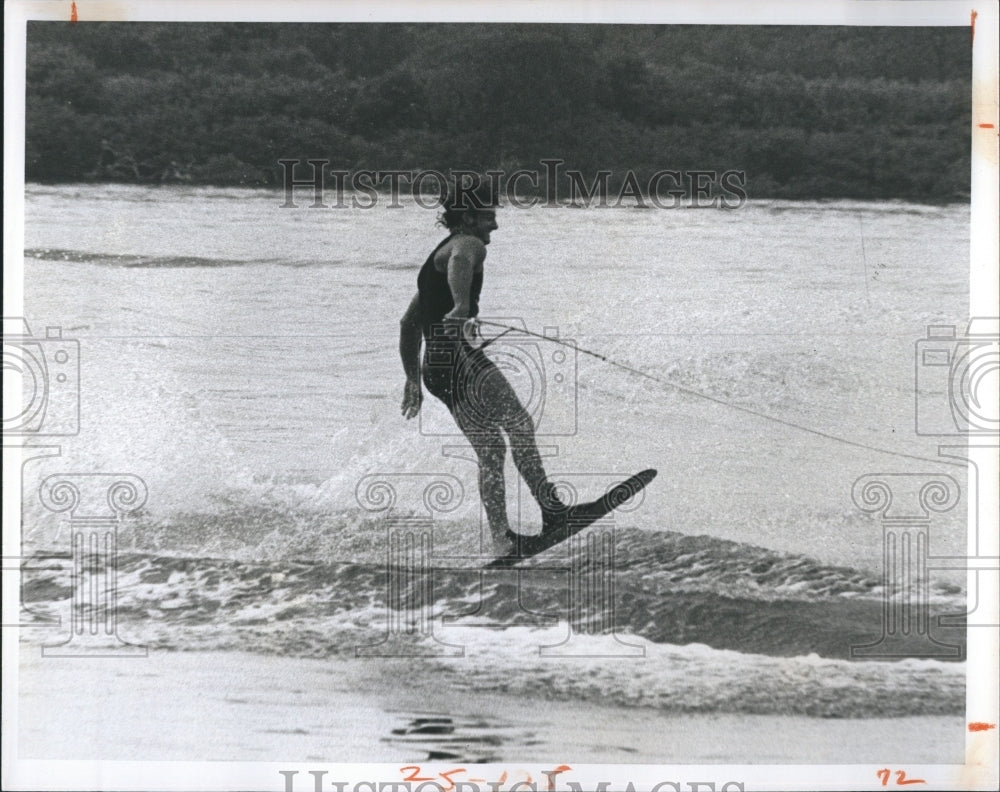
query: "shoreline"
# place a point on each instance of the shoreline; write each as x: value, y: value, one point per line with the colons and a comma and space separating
x: 918, y: 199
x: 239, y: 706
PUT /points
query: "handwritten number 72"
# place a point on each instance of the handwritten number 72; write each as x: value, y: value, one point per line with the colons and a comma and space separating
x: 901, y: 778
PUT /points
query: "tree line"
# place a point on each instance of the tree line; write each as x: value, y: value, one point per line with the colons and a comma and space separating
x: 806, y: 112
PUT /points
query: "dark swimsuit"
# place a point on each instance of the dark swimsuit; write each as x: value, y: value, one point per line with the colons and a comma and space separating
x: 451, y: 367
x: 470, y: 384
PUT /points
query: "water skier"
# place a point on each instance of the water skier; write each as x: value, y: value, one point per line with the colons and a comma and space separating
x: 479, y: 397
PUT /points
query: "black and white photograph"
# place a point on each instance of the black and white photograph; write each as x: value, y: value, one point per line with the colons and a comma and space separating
x: 474, y: 397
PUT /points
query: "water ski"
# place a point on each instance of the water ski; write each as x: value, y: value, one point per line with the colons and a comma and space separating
x: 577, y: 518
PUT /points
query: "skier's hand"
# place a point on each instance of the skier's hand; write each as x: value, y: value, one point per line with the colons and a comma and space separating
x: 412, y: 397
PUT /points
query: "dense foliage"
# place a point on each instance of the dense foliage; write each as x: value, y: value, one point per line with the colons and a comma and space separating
x: 805, y: 111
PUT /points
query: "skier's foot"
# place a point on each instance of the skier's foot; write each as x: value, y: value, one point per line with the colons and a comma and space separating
x: 554, y: 520
x: 554, y: 511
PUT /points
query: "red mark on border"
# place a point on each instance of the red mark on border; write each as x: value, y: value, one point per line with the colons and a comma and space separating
x: 72, y: 13
x: 413, y: 773
x: 980, y: 726
x: 447, y: 776
x: 972, y: 27
x: 552, y: 776
x: 901, y: 779
x: 986, y: 126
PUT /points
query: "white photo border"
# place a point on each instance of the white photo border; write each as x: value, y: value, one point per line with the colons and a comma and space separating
x: 981, y: 769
